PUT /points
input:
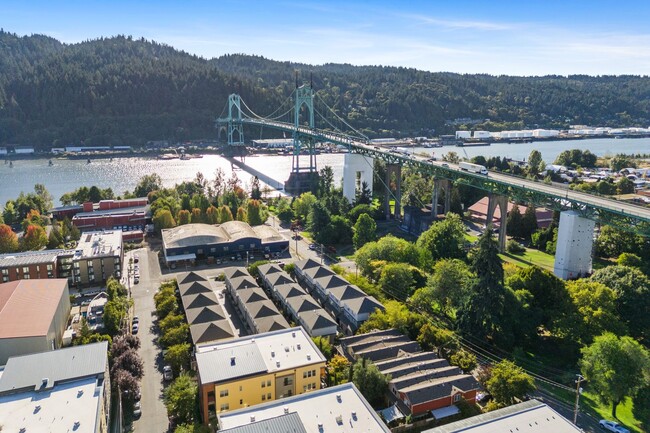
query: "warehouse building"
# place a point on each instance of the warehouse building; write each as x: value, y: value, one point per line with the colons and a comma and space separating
x: 33, y: 316
x: 191, y: 242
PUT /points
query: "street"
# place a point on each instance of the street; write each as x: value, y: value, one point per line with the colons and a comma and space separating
x: 154, y: 415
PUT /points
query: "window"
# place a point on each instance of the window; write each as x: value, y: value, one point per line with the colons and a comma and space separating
x: 263, y: 397
x: 26, y: 270
x: 89, y: 263
x: 199, y: 251
x: 457, y: 397
x: 213, y: 250
x: 268, y: 396
x: 225, y: 248
x: 223, y: 393
x: 268, y: 383
x: 241, y: 401
x: 240, y: 388
x: 50, y: 267
x: 5, y: 272
x: 263, y: 383
x: 224, y: 407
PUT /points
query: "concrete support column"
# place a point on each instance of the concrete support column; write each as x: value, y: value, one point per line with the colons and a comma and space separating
x: 356, y: 170
x: 438, y: 185
x: 575, y: 239
x: 387, y: 192
x: 500, y: 201
x: 398, y: 191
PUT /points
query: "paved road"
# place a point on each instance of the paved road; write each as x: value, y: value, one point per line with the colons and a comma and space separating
x: 154, y: 415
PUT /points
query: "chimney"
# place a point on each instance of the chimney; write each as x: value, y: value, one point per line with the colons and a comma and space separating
x: 232, y: 360
x: 88, y: 206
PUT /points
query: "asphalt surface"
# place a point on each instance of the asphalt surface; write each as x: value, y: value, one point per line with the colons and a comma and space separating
x: 154, y: 415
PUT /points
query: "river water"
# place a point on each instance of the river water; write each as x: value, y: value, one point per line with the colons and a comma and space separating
x: 122, y: 174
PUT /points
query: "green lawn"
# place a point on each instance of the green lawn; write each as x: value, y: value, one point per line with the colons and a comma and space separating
x: 530, y: 257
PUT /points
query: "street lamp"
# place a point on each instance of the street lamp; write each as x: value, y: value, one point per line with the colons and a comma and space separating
x: 578, y: 392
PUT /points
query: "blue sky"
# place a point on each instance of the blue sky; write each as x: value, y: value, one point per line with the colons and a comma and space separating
x: 496, y: 37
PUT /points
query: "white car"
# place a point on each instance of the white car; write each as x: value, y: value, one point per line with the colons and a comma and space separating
x: 612, y: 426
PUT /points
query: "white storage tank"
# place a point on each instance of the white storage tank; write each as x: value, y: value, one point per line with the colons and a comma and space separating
x: 481, y: 134
x: 462, y: 135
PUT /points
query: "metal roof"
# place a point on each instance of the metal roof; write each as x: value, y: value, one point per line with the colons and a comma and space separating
x: 30, y: 371
x: 287, y: 423
x: 30, y: 258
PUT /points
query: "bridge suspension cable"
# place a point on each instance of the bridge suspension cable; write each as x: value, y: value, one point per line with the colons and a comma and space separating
x: 340, y: 118
x: 270, y: 116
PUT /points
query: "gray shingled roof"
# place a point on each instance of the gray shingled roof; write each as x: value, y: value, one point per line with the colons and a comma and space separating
x: 212, y: 331
x: 286, y: 291
x: 317, y: 319
x: 194, y: 288
x: 271, y: 323
x: 303, y: 303
x: 269, y: 268
x: 376, y: 335
x: 234, y: 272
x: 29, y: 371
x: 244, y: 282
x: 277, y: 279
x: 307, y: 264
x: 254, y: 294
x: 189, y: 277
x: 204, y: 314
x: 216, y: 365
x: 289, y: 423
x: 363, y: 305
x: 198, y: 301
x: 438, y: 388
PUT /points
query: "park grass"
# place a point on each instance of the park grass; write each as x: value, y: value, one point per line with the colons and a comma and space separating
x: 590, y: 404
x: 530, y: 257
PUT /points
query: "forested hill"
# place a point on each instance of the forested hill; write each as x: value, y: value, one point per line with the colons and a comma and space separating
x: 121, y: 90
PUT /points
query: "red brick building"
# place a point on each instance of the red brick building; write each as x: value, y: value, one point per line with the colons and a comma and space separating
x: 126, y: 215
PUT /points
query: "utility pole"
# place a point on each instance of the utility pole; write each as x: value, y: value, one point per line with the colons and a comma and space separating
x: 578, y: 391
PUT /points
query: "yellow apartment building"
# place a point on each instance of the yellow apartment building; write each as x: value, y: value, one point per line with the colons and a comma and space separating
x: 256, y: 369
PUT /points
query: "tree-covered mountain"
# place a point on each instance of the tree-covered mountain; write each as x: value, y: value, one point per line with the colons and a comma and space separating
x: 121, y: 90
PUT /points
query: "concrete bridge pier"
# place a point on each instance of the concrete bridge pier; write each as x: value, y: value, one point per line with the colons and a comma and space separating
x: 575, y: 240
x: 356, y: 170
x: 441, y: 185
x: 393, y: 170
x: 500, y: 201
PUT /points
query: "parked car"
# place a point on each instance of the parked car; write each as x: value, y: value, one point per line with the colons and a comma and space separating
x: 136, y: 319
x: 444, y: 164
x: 167, y: 372
x: 137, y: 410
x: 313, y: 246
x: 612, y: 426
x: 136, y: 280
x: 136, y: 258
x: 135, y: 328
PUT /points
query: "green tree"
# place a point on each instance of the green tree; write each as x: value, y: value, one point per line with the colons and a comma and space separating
x: 338, y: 368
x: 8, y: 240
x: 318, y: 220
x: 256, y: 193
x: 225, y: 214
x: 147, y: 184
x: 612, y: 242
x: 514, y: 223
x: 482, y: 314
x: 369, y: 380
x: 212, y: 215
x: 630, y: 260
x: 528, y: 222
x: 641, y: 406
x: 325, y: 180
x: 178, y: 357
x: 615, y: 367
x: 183, y: 217
x: 449, y: 284
x: 464, y: 359
x: 389, y: 249
x: 254, y: 212
x: 443, y: 341
x: 302, y: 205
x: 444, y: 239
x: 595, y: 310
x: 509, y: 382
x: 397, y: 280
x: 172, y: 320
x: 534, y: 162
x: 163, y: 219
x: 550, y: 299
x: 363, y: 195
x: 624, y: 186
x: 632, y: 289
x: 396, y: 315
x: 55, y: 239
x: 323, y: 345
x: 241, y: 214
x: 34, y: 239
x: 364, y: 230
x: 175, y: 336
x: 180, y: 398
x: 619, y: 162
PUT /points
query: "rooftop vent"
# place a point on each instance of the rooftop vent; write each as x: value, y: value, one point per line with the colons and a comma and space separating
x: 286, y: 348
x: 44, y: 382
x: 286, y: 409
x: 339, y: 420
x: 293, y: 334
x: 80, y: 392
x: 298, y: 346
x: 277, y: 364
x: 232, y: 360
x: 320, y: 427
x: 338, y: 398
x: 252, y: 418
x: 76, y: 425
x: 37, y: 408
x: 22, y: 430
x: 308, y: 357
x: 354, y: 415
x: 272, y: 354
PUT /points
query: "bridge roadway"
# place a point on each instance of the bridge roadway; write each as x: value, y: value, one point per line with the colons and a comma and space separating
x: 623, y: 215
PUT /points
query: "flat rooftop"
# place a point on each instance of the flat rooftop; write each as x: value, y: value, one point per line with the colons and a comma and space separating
x: 99, y: 244
x: 30, y: 258
x: 337, y: 409
x: 530, y: 416
x: 280, y: 350
x: 57, y: 410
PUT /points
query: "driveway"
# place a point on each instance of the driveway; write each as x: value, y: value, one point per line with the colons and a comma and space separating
x: 154, y: 415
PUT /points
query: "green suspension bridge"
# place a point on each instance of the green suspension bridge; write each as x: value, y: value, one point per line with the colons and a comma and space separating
x: 298, y: 114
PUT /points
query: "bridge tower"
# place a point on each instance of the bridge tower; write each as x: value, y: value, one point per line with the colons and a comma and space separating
x: 304, y: 174
x: 233, y: 126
